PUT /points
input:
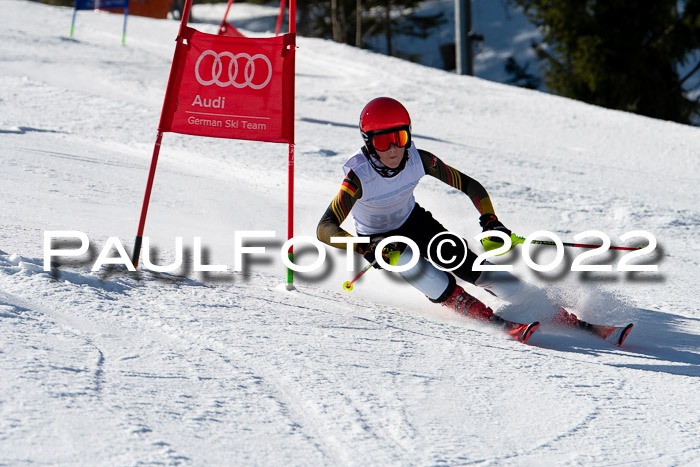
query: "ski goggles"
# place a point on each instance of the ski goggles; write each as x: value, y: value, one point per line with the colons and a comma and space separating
x: 383, y: 141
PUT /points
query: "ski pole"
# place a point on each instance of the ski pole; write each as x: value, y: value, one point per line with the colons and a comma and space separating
x: 517, y: 240
x: 347, y: 286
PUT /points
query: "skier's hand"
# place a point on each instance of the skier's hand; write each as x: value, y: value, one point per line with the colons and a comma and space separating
x: 490, y: 222
x: 369, y: 251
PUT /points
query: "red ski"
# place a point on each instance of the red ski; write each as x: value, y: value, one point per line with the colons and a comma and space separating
x: 616, y: 335
x: 519, y: 331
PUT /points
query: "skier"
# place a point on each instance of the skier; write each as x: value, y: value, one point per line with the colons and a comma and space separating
x: 378, y: 189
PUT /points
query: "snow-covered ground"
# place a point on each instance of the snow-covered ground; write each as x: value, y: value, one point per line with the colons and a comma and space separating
x: 230, y: 368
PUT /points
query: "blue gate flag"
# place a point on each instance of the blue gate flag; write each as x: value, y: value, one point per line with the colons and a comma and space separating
x: 100, y: 5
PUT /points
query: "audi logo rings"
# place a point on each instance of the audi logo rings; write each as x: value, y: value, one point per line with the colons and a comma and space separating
x: 217, y: 69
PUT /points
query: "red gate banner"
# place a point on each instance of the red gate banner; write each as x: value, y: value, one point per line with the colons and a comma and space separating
x: 231, y: 87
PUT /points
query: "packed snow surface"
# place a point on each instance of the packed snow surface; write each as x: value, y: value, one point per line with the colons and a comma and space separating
x: 121, y: 368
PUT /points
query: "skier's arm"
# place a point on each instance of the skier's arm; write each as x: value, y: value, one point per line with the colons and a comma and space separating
x: 474, y: 190
x: 453, y: 177
x: 338, y: 210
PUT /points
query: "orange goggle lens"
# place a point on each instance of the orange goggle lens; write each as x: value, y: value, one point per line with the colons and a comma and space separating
x: 383, y: 142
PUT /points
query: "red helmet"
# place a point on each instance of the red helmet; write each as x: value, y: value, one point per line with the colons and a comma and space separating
x: 383, y: 113
x: 384, y: 121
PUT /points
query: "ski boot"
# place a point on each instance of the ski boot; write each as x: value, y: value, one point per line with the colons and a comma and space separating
x: 469, y: 306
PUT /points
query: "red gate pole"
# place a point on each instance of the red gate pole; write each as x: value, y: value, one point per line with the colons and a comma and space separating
x: 280, y: 15
x: 290, y: 165
x: 146, y: 200
x: 290, y: 214
x: 223, y: 20
x: 292, y: 16
x: 156, y: 151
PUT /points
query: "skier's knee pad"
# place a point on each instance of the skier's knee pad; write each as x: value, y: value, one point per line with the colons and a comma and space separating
x: 437, y: 285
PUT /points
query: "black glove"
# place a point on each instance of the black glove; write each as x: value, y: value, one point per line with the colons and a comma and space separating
x: 490, y: 222
x: 368, y: 250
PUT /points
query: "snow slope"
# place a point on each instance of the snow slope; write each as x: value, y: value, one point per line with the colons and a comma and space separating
x: 229, y: 368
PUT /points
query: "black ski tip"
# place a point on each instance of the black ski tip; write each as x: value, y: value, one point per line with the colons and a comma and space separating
x: 623, y: 334
x: 532, y: 327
